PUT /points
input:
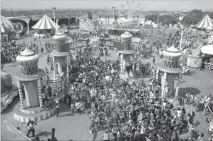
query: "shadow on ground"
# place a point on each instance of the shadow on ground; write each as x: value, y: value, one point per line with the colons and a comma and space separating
x: 191, y: 90
x: 11, y: 106
x: 44, y: 133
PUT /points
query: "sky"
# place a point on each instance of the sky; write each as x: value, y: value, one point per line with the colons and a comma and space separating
x: 168, y: 5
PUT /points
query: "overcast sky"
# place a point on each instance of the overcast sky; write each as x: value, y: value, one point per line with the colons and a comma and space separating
x: 179, y: 5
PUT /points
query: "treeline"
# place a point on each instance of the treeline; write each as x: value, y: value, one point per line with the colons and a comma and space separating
x: 191, y: 18
x: 77, y: 12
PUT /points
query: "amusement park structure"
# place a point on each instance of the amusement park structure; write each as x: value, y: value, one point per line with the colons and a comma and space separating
x: 61, y: 61
x: 129, y: 7
x: 29, y: 80
x: 169, y: 70
x: 125, y: 55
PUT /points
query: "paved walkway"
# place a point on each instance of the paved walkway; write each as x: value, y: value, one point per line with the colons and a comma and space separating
x: 77, y: 127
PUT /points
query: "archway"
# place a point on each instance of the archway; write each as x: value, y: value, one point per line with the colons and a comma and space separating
x: 22, y: 19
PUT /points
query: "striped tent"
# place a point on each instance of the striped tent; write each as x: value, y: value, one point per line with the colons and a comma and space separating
x: 45, y: 23
x: 208, y: 49
x: 6, y: 25
x: 205, y: 22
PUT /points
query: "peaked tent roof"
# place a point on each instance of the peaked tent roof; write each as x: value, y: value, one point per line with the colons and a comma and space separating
x: 45, y: 23
x: 208, y: 49
x: 6, y: 25
x: 205, y: 22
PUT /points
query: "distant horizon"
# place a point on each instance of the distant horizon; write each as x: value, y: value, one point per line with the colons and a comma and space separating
x: 143, y: 5
x: 204, y: 10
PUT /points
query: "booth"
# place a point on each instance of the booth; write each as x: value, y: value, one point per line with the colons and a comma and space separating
x: 194, y: 61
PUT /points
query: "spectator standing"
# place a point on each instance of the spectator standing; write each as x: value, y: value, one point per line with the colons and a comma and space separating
x: 31, y: 129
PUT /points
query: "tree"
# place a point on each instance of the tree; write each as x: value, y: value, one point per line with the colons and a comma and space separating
x: 89, y: 15
x: 211, y: 15
x: 168, y: 19
x: 152, y: 17
x: 193, y: 17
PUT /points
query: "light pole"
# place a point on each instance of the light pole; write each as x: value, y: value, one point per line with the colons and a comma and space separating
x: 181, y: 36
x: 158, y: 18
x: 54, y: 8
x: 113, y: 10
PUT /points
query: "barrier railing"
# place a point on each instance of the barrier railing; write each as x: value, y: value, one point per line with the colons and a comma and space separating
x: 90, y: 23
x: 85, y: 24
x: 77, y: 44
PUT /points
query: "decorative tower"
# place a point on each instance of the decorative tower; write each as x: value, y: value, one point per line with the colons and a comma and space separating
x: 61, y: 60
x: 125, y: 56
x: 29, y: 81
x: 126, y: 40
x: 170, y: 70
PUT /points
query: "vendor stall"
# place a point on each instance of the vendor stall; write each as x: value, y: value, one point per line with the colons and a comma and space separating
x: 45, y: 23
x: 208, y: 50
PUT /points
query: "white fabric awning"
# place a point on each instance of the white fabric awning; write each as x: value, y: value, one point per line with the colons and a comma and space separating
x: 45, y: 23
x: 122, y: 20
x: 210, y: 28
x: 6, y: 25
x: 208, y: 49
x: 205, y: 22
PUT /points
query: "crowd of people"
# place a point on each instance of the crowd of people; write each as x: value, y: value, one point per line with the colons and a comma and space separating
x: 125, y: 110
x: 10, y: 50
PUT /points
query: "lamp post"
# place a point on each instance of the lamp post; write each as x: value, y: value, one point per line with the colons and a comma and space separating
x: 113, y: 10
x: 54, y: 8
x: 181, y: 36
x: 158, y: 18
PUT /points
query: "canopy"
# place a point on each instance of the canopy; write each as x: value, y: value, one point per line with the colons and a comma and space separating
x: 6, y: 25
x: 208, y: 49
x: 209, y: 28
x: 205, y: 22
x: 122, y: 20
x: 45, y: 23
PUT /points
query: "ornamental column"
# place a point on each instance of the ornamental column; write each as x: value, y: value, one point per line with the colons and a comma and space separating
x: 163, y: 94
x: 177, y: 91
x: 157, y: 75
x: 170, y: 65
x: 126, y: 40
x: 68, y: 22
x: 28, y: 28
x: 122, y: 64
x: 68, y: 69
x: 40, y: 95
x: 21, y: 95
x: 55, y: 68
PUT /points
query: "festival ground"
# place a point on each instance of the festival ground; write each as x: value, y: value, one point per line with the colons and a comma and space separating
x: 77, y: 127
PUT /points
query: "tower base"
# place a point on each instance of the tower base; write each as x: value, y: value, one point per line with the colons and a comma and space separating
x: 36, y: 113
x: 124, y: 76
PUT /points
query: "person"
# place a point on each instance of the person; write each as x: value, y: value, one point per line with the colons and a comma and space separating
x: 30, y: 125
x: 57, y: 108
x: 106, y: 136
x: 78, y: 107
x: 200, y: 137
x: 153, y: 60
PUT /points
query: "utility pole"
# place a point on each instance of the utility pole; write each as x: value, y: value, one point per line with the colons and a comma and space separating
x: 54, y: 8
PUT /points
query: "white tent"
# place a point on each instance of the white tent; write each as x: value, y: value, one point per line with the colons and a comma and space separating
x: 6, y: 25
x: 208, y: 49
x: 45, y: 23
x: 205, y: 22
x: 122, y: 20
x: 210, y: 28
